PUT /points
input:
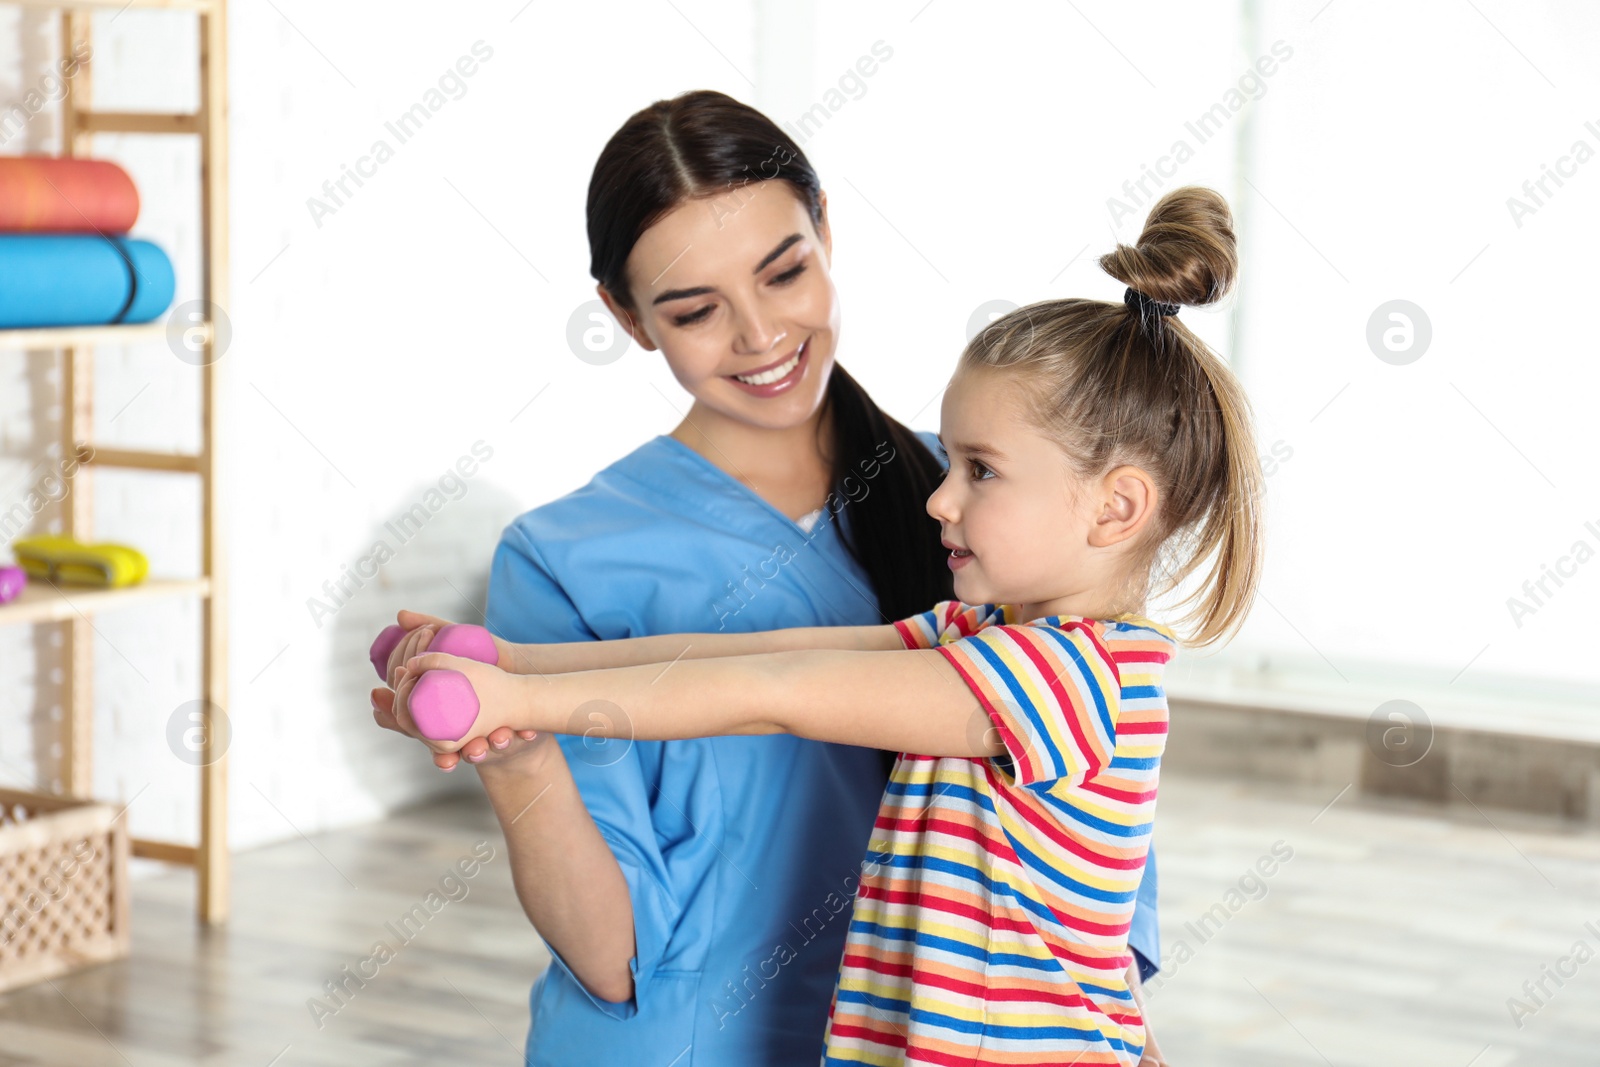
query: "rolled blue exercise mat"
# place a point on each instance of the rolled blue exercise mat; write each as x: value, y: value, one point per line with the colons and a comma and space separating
x: 81, y: 280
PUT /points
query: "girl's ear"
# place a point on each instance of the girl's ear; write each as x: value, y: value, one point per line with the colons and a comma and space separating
x: 1128, y: 500
x: 628, y: 322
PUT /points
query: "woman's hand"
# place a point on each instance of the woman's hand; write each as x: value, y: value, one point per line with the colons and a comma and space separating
x: 1151, y: 1056
x: 499, y: 748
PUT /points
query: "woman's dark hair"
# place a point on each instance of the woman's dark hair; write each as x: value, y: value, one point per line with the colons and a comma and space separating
x: 702, y: 144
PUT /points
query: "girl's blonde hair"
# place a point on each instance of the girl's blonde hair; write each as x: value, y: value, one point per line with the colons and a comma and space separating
x: 1121, y: 383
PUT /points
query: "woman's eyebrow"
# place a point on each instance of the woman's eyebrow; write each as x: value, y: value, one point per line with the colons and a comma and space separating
x: 679, y: 294
x: 701, y: 290
x: 783, y: 246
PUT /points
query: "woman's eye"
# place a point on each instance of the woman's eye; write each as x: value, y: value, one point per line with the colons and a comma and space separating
x: 790, y: 275
x: 693, y: 317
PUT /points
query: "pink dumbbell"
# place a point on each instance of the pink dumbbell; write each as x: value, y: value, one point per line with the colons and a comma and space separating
x: 456, y: 639
x: 443, y: 703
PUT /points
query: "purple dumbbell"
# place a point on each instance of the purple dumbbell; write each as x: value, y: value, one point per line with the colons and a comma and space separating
x: 12, y: 581
x: 456, y: 639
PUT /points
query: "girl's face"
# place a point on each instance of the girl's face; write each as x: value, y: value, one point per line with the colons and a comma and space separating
x: 735, y: 292
x: 1024, y: 528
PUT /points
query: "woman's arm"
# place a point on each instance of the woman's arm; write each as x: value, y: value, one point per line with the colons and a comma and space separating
x: 578, y: 902
x: 905, y: 700
x: 566, y: 878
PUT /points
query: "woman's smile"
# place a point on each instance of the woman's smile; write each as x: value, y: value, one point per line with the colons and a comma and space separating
x: 777, y: 377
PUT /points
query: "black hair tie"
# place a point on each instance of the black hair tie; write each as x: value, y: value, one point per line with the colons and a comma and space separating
x: 1144, y: 305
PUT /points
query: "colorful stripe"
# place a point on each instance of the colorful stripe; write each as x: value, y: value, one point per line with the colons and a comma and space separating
x: 991, y: 922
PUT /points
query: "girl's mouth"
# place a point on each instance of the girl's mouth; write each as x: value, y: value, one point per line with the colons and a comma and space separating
x: 776, y: 379
x: 959, y: 558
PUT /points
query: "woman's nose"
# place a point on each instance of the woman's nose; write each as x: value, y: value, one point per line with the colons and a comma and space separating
x: 756, y: 335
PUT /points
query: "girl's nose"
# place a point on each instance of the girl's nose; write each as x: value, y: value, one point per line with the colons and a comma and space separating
x: 941, y: 503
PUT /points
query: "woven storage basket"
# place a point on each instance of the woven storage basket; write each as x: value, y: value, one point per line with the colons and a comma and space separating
x: 63, y: 886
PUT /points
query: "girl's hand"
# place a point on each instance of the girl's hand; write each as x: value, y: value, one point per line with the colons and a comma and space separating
x: 422, y: 629
x: 502, y: 747
x: 502, y: 698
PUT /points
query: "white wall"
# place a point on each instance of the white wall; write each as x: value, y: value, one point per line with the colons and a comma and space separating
x: 1420, y: 497
x: 374, y: 346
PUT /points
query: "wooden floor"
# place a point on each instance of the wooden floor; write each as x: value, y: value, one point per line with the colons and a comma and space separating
x: 1391, y: 936
x: 455, y: 992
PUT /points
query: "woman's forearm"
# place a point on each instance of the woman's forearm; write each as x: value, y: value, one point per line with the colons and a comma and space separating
x: 569, y: 883
x: 567, y: 657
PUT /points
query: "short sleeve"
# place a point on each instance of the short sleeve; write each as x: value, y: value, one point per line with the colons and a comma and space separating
x: 924, y: 630
x: 1052, y: 692
x: 527, y: 605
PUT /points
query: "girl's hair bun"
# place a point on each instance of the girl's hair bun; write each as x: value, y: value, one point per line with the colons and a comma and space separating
x: 1185, y: 255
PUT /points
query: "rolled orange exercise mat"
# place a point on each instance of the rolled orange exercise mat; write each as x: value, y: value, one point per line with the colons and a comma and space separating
x: 44, y: 194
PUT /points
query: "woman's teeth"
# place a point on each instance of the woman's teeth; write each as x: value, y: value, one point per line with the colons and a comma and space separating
x: 776, y: 373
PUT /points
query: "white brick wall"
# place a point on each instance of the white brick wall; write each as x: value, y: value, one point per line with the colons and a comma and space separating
x: 368, y: 355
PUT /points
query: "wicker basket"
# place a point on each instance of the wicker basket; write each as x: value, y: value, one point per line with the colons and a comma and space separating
x: 63, y: 886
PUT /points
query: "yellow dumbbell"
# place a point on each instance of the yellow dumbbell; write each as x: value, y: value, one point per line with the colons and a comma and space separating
x: 64, y: 559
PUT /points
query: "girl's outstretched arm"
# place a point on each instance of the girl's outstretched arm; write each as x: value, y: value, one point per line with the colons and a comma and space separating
x: 565, y: 657
x: 907, y: 700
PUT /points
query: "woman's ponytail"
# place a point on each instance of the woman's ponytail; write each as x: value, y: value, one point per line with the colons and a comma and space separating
x: 889, y: 530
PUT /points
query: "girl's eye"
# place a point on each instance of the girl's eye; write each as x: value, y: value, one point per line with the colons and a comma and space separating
x: 693, y: 317
x: 790, y: 275
x: 978, y: 466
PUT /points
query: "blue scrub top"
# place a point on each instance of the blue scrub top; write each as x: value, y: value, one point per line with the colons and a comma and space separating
x: 740, y: 853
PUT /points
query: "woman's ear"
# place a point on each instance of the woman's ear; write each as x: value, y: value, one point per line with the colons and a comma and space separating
x: 824, y: 231
x: 626, y: 319
x: 1128, y: 500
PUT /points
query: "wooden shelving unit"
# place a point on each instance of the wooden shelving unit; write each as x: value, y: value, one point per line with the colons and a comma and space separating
x: 71, y: 607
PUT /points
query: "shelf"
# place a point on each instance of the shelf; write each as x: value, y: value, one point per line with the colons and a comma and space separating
x: 52, y: 337
x: 89, y: 5
x: 179, y: 462
x: 41, y: 602
x: 72, y: 607
x: 136, y: 122
x: 165, y: 851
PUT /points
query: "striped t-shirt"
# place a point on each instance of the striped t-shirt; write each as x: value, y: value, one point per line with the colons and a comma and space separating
x: 991, y: 920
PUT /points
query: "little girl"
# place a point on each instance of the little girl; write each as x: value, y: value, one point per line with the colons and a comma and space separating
x: 1100, y: 454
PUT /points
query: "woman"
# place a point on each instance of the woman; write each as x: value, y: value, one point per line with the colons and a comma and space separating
x: 695, y: 894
